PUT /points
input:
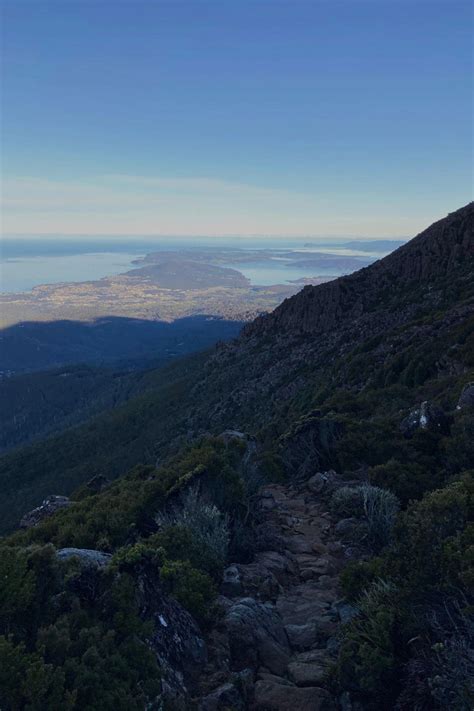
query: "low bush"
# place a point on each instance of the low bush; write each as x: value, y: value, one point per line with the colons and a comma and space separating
x: 378, y: 507
x: 206, y: 524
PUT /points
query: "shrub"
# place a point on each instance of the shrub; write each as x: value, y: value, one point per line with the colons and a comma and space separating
x: 368, y: 656
x: 378, y: 507
x: 192, y: 588
x: 204, y: 521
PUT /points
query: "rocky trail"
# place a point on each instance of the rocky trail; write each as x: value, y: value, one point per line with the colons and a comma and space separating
x: 281, y: 613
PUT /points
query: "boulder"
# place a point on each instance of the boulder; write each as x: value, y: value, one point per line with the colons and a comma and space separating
x: 302, y: 636
x: 466, y: 399
x: 231, y: 581
x: 270, y: 696
x: 175, y: 639
x: 426, y: 417
x: 86, y: 556
x: 323, y: 482
x: 344, y: 611
x: 226, y: 696
x: 306, y: 674
x: 230, y: 435
x: 49, y: 506
x: 316, y: 631
x: 256, y: 636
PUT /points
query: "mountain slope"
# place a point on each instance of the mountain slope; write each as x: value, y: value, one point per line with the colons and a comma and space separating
x: 365, y: 428
x: 444, y: 247
x: 284, y: 365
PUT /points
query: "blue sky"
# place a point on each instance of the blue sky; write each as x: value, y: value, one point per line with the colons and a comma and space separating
x: 235, y: 117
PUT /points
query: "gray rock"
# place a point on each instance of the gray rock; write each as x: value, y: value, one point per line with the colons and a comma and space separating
x: 466, y: 399
x: 344, y: 611
x: 323, y: 482
x: 231, y: 581
x: 308, y: 635
x: 307, y: 673
x: 302, y: 636
x: 86, y: 556
x: 270, y: 696
x: 274, y: 679
x: 176, y: 640
x: 229, y: 435
x: 426, y: 417
x: 256, y: 636
x: 226, y: 696
x: 49, y: 507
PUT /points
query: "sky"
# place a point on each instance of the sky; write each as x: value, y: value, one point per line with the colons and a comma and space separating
x: 278, y: 117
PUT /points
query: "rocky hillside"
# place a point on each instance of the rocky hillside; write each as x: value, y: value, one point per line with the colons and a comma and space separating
x: 444, y: 248
x: 299, y: 532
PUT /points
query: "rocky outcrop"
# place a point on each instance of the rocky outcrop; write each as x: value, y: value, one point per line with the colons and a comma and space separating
x: 256, y: 636
x: 86, y: 557
x: 466, y: 399
x: 176, y: 640
x: 426, y: 417
x: 49, y: 506
x: 429, y: 256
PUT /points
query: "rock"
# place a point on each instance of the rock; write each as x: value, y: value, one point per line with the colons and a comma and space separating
x: 302, y: 636
x: 176, y: 640
x: 270, y: 696
x: 283, y: 566
x: 256, y: 636
x: 323, y: 482
x: 257, y: 581
x: 351, y: 529
x: 244, y: 680
x: 305, y: 636
x: 229, y: 435
x: 333, y: 645
x: 266, y: 676
x: 226, y: 696
x: 86, y: 556
x: 426, y: 417
x: 307, y: 673
x: 49, y: 506
x: 344, y: 611
x: 231, y: 581
x: 466, y: 399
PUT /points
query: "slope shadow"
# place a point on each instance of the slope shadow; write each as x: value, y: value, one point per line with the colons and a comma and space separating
x: 34, y: 345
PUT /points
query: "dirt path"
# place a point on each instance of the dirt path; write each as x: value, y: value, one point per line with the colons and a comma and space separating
x: 282, y: 612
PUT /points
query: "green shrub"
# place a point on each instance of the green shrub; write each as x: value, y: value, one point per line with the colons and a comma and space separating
x: 368, y: 661
x: 377, y: 507
x: 192, y: 588
x: 206, y: 524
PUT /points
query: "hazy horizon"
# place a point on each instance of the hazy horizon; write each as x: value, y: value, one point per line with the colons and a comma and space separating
x: 251, y: 118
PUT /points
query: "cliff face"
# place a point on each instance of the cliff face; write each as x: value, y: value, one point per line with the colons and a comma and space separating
x: 433, y: 254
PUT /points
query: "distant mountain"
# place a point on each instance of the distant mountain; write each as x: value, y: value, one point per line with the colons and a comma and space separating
x: 375, y: 245
x: 370, y: 245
